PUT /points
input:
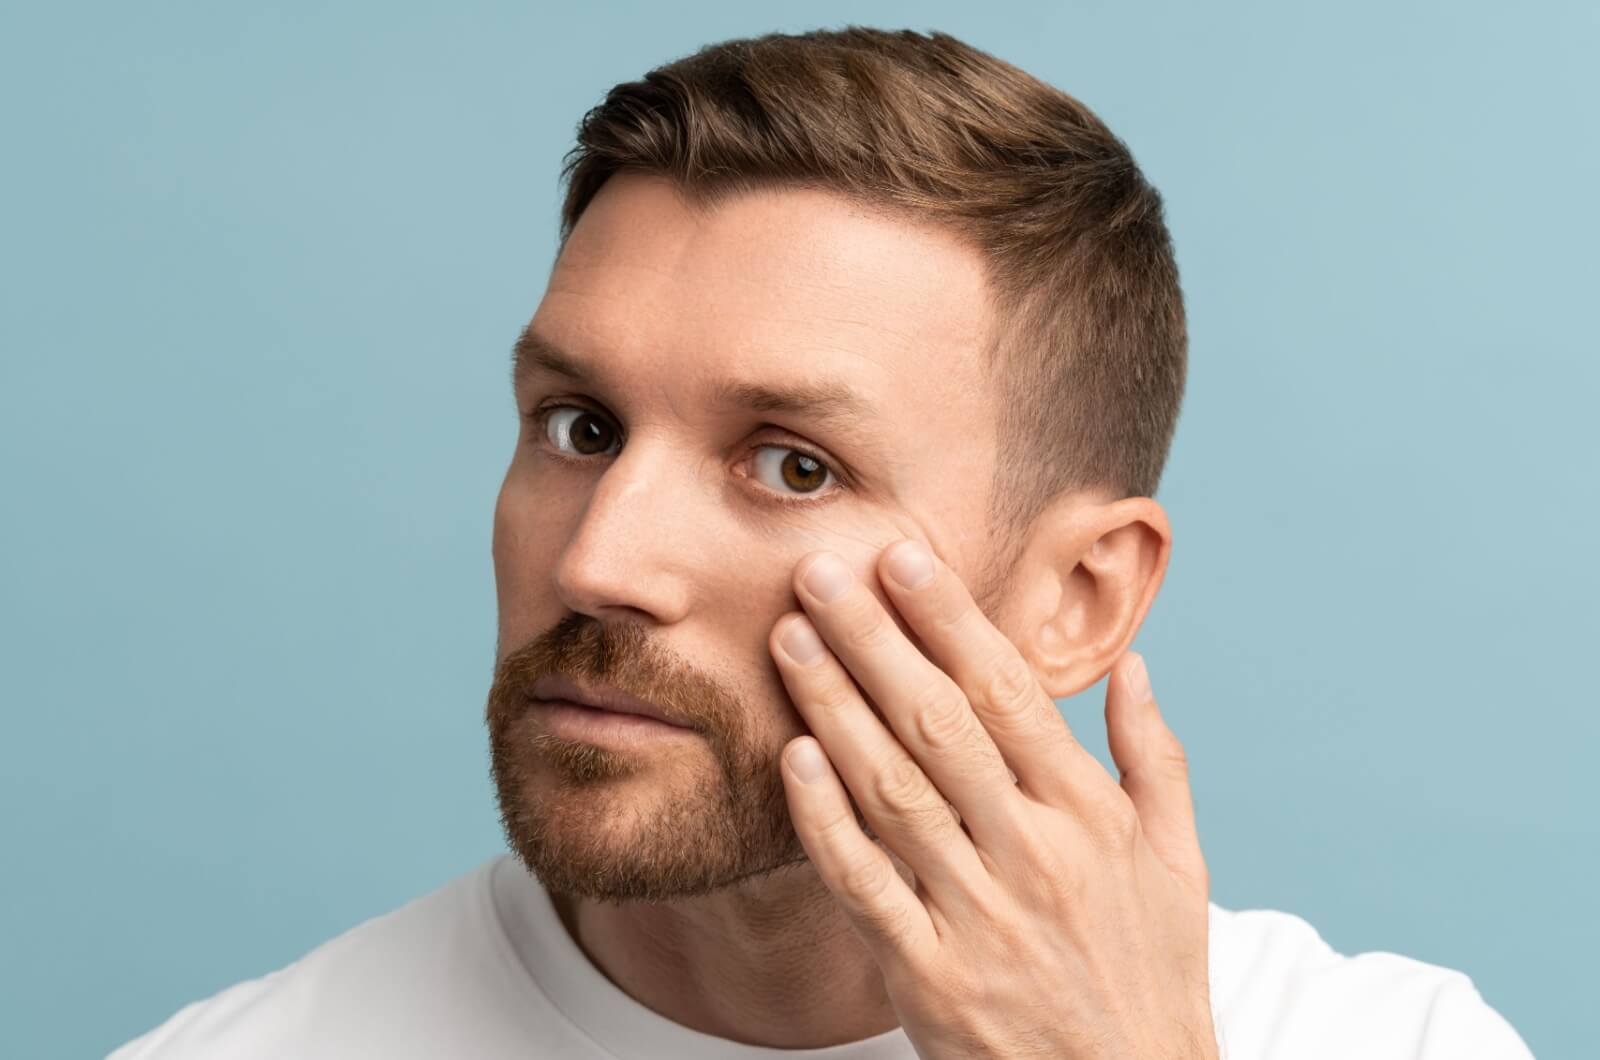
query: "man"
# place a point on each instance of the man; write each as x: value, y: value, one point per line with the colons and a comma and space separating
x: 842, y: 413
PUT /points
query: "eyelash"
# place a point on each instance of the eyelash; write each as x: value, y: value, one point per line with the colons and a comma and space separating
x: 539, y: 417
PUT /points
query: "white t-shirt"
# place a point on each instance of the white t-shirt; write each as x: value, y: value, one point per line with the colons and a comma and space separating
x: 482, y: 967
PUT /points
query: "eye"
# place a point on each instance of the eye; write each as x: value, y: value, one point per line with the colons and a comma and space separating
x: 795, y: 475
x: 799, y: 470
x: 591, y: 434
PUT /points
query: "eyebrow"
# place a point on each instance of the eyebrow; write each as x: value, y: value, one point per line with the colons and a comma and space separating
x: 834, y: 405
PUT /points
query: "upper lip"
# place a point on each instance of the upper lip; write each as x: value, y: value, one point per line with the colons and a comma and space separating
x: 601, y: 697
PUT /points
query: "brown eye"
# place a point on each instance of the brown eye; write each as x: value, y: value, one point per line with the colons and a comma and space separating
x: 589, y: 433
x: 796, y: 471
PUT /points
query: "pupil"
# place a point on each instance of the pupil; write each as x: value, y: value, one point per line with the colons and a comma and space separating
x: 811, y: 473
x: 591, y: 430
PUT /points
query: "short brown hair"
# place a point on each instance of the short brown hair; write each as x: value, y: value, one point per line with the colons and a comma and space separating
x: 1090, y: 343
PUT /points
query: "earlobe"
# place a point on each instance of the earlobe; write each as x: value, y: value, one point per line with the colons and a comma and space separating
x: 1084, y: 583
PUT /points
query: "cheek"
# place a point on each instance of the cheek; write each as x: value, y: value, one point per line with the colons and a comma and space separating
x: 523, y: 516
x: 756, y: 587
x: 503, y: 531
x: 522, y: 545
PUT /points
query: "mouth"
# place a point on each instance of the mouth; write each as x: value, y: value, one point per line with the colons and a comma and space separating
x: 599, y: 699
x: 593, y: 725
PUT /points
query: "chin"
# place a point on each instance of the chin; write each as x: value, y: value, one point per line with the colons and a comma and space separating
x: 619, y: 827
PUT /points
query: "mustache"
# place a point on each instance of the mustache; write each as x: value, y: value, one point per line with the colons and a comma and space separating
x: 618, y: 654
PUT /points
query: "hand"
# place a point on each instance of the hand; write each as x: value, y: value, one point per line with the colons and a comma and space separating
x: 1058, y: 914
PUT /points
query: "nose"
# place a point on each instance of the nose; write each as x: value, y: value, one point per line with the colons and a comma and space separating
x: 633, y: 548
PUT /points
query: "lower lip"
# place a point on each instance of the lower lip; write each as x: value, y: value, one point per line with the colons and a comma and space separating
x: 572, y: 721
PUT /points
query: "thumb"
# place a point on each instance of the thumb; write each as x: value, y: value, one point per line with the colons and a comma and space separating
x: 1154, y: 768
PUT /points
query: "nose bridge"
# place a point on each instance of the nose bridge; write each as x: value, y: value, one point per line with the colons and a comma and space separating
x: 626, y: 549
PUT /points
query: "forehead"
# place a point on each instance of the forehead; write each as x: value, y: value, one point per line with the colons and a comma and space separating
x: 770, y: 285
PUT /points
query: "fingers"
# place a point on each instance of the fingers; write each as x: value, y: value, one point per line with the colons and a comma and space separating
x: 927, y: 711
x: 896, y: 797
x: 1019, y: 716
x: 883, y: 909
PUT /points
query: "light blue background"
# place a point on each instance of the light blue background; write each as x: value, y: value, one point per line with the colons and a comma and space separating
x: 261, y: 272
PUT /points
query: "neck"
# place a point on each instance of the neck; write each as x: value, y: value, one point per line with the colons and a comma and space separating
x: 771, y: 961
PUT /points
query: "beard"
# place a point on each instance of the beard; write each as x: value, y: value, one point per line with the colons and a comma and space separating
x: 678, y: 819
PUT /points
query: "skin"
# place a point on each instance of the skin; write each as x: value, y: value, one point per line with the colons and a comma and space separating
x: 667, y: 566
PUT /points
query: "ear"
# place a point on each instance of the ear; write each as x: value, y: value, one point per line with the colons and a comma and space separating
x: 1082, y: 585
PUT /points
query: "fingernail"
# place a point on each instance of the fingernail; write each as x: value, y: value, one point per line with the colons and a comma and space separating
x: 805, y: 760
x: 800, y: 641
x: 909, y: 564
x: 827, y: 577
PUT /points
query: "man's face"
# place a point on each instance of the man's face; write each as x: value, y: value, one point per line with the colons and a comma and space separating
x: 646, y: 533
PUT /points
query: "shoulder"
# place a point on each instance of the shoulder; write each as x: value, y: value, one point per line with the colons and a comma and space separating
x: 385, y: 972
x: 1279, y: 989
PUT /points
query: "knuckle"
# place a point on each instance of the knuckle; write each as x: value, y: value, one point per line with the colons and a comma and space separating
x: 1048, y: 876
x: 835, y: 698
x: 1011, y: 691
x: 901, y: 787
x: 864, y: 876
x: 1173, y: 758
x: 838, y: 829
x: 1117, y: 822
x: 943, y: 721
x: 1051, y: 869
